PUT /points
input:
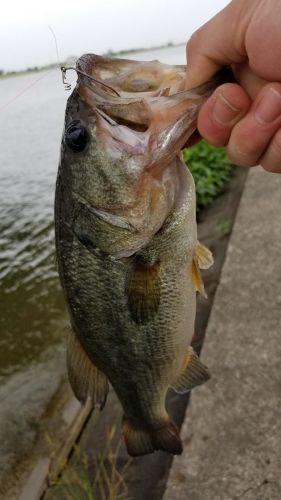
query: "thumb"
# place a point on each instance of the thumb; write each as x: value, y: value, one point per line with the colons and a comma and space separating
x: 219, y: 42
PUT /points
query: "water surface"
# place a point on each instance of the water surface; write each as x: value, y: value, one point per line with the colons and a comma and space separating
x: 30, y: 299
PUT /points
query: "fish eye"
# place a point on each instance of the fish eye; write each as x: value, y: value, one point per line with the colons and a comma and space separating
x: 76, y: 137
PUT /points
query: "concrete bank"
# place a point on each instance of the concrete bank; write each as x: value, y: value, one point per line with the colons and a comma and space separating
x: 24, y: 398
x: 232, y: 430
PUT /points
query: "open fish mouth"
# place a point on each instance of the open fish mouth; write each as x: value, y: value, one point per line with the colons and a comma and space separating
x: 127, y: 93
x: 129, y: 78
x: 145, y: 100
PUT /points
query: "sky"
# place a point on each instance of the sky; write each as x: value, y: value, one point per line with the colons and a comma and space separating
x: 93, y: 26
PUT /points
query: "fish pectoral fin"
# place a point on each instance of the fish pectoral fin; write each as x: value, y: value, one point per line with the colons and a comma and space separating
x: 204, y: 256
x: 143, y: 291
x: 197, y: 278
x: 85, y: 379
x: 203, y: 259
x: 195, y: 373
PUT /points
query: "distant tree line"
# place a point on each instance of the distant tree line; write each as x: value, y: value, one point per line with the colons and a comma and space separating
x: 111, y: 52
x: 32, y: 69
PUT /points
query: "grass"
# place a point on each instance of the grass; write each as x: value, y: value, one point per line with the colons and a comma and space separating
x: 92, y: 478
x: 223, y: 228
x: 210, y: 168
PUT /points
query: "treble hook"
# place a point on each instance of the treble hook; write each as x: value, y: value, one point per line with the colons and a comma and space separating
x: 67, y: 85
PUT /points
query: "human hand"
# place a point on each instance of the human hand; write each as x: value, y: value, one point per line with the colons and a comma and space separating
x: 244, y: 117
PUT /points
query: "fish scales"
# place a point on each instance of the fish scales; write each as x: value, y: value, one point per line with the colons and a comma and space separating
x: 126, y: 240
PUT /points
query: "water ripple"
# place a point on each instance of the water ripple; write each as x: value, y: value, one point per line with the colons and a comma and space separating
x: 32, y: 310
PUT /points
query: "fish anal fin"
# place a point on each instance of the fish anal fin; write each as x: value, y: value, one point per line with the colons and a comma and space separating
x: 143, y: 291
x: 204, y: 256
x: 85, y: 379
x: 194, y: 373
x: 197, y: 278
x: 141, y: 441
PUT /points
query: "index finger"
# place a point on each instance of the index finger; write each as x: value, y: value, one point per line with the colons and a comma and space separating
x: 217, y: 43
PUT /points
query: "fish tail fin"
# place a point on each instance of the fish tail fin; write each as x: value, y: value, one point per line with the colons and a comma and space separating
x: 137, y: 439
x: 141, y: 441
x: 167, y: 438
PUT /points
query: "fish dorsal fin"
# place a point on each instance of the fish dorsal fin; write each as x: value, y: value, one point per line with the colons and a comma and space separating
x: 85, y: 379
x: 143, y: 290
x: 194, y: 373
x: 203, y: 259
x: 204, y: 256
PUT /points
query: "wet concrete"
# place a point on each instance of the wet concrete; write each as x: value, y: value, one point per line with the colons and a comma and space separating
x: 23, y: 399
x: 232, y: 430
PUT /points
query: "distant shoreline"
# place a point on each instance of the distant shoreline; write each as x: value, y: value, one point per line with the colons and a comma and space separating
x: 168, y: 45
x: 109, y: 53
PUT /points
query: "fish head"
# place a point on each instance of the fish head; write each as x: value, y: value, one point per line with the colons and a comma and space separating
x: 125, y: 124
x: 104, y: 138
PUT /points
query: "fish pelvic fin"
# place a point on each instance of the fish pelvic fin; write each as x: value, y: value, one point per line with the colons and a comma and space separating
x: 85, y: 379
x: 194, y: 373
x: 203, y: 259
x: 143, y: 291
x: 141, y: 441
x: 197, y: 278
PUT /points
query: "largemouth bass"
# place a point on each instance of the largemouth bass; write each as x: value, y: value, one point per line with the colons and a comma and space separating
x: 126, y: 239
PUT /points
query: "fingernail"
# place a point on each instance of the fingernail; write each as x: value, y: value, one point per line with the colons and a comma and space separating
x: 269, y: 108
x: 224, y: 112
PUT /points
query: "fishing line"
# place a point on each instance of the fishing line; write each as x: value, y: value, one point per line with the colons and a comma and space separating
x: 23, y: 91
x: 64, y: 69
x: 37, y: 79
x: 56, y: 44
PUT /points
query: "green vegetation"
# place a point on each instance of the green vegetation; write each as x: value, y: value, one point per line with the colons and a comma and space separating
x: 92, y: 477
x: 223, y: 228
x: 210, y: 168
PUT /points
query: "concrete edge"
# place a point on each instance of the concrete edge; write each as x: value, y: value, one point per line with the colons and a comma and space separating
x: 48, y: 468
